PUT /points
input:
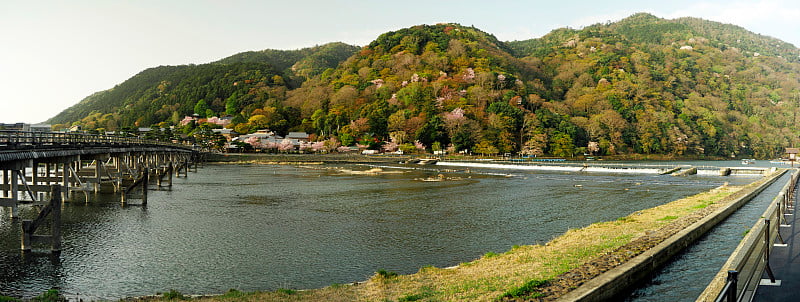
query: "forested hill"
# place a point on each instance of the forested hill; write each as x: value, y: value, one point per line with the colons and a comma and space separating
x: 167, y: 93
x: 641, y: 85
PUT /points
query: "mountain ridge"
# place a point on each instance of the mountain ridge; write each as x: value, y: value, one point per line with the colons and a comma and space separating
x: 644, y: 84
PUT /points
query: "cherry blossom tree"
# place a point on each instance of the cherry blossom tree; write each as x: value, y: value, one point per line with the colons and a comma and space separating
x: 254, y: 141
x: 186, y: 119
x: 285, y: 145
x: 331, y: 144
x: 419, y: 145
x: 318, y: 146
x: 390, y: 146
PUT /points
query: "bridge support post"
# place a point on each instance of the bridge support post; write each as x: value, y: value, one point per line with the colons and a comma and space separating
x: 169, y: 174
x: 145, y: 181
x: 5, y: 182
x: 64, y: 178
x: 97, y: 175
x: 34, y: 173
x: 14, y: 194
x: 29, y: 226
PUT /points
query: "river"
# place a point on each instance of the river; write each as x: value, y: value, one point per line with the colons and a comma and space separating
x: 264, y: 227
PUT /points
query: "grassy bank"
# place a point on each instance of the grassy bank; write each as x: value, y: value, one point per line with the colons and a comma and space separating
x: 541, y: 272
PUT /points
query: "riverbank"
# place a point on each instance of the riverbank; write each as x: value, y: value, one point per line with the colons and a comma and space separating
x: 334, y: 158
x: 271, y: 158
x: 544, y: 271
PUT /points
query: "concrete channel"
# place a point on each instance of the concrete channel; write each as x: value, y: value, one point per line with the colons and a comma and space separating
x: 611, y: 284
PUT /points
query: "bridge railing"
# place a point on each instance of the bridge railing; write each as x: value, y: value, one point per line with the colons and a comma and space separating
x: 741, y: 274
x: 11, y: 139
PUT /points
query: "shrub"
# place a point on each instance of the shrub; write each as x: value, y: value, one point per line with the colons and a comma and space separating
x: 50, y: 296
x: 286, y: 291
x: 173, y: 295
x: 386, y: 275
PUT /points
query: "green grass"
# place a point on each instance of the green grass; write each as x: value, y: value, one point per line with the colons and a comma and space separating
x: 235, y: 293
x: 173, y: 295
x: 425, y: 293
x: 9, y: 299
x: 527, y: 290
x: 668, y: 218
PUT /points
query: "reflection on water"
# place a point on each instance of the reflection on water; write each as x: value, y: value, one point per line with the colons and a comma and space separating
x: 267, y: 227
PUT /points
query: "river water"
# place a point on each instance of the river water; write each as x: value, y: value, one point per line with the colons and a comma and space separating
x: 264, y: 227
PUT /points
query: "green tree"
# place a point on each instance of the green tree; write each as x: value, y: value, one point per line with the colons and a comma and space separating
x: 562, y: 145
x: 232, y: 104
x: 485, y: 147
x: 201, y: 107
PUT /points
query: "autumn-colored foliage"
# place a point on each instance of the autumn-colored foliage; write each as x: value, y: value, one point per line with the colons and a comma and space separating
x: 647, y: 85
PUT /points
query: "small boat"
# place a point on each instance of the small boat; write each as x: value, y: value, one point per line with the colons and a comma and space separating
x: 748, y: 161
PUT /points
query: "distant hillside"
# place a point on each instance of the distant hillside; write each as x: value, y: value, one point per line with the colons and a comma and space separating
x: 641, y: 85
x: 167, y: 93
x: 307, y: 62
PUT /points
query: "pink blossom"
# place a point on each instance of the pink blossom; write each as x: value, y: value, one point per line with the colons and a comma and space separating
x: 377, y: 82
x: 390, y: 147
x: 187, y: 119
x: 317, y: 146
x: 285, y: 145
x: 331, y: 144
x: 469, y: 74
x: 419, y: 145
x: 218, y: 121
x: 343, y: 149
x: 456, y: 114
x: 253, y: 141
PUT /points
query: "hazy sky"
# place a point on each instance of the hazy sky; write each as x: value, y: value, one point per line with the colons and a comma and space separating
x: 55, y: 53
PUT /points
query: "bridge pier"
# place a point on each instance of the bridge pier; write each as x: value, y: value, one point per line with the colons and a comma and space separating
x: 53, y: 209
x: 36, y: 164
x: 32, y: 177
x: 13, y: 172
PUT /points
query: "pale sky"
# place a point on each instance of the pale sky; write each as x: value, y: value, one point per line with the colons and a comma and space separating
x: 55, y: 53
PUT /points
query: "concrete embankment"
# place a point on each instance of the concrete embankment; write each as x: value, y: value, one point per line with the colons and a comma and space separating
x: 610, y: 284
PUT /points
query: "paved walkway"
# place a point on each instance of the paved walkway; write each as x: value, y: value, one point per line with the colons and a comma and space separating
x: 785, y: 264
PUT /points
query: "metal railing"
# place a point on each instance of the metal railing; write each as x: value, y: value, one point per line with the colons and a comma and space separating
x: 751, y: 258
x: 17, y: 140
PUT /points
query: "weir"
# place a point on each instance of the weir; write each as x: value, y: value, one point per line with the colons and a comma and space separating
x: 613, y: 168
x: 55, y: 166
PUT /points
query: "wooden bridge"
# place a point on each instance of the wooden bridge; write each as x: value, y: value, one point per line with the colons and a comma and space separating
x: 39, y: 166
